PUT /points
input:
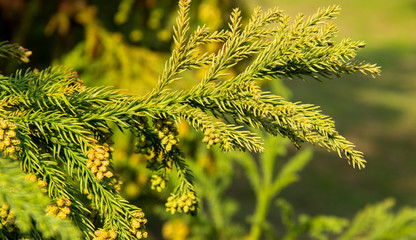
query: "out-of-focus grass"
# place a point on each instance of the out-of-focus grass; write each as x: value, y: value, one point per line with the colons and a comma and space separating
x: 378, y: 115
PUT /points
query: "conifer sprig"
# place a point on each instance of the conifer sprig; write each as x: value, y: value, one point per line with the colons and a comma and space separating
x: 55, y: 138
x: 27, y: 204
x: 60, y: 130
x: 45, y: 166
x: 305, y: 48
x: 13, y: 50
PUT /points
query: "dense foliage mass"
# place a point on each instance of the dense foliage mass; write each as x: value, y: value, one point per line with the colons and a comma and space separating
x: 59, y: 131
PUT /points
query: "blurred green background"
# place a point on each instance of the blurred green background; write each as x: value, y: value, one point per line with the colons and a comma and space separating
x: 125, y: 43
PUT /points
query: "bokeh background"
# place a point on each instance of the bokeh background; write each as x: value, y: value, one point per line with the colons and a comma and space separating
x: 125, y: 43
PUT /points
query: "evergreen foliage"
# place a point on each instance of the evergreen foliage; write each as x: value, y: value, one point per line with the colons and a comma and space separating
x: 13, y: 50
x: 60, y: 131
x: 378, y: 221
x: 22, y: 201
x: 375, y: 221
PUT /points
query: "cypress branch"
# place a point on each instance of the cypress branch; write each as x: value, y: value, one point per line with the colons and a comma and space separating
x: 44, y: 166
x: 60, y: 130
x: 28, y: 203
x: 13, y: 50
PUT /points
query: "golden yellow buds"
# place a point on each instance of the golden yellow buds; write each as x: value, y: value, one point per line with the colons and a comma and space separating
x: 98, y: 161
